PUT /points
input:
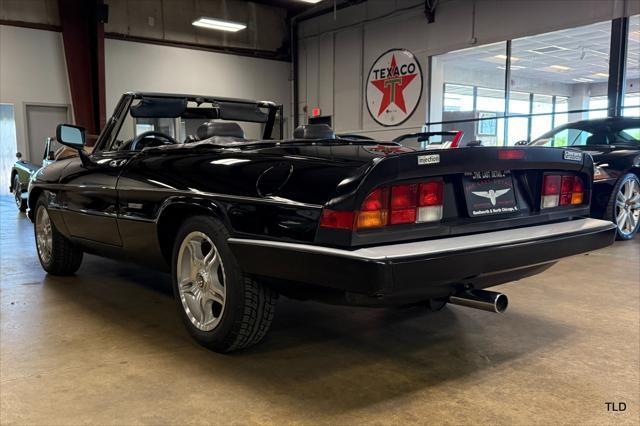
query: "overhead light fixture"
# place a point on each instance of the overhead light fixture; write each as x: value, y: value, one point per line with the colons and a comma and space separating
x: 548, y: 49
x: 311, y: 1
x: 559, y: 67
x: 504, y: 57
x: 513, y: 67
x: 582, y: 80
x: 601, y: 74
x: 219, y: 24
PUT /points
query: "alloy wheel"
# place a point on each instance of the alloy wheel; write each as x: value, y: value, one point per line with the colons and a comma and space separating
x: 44, y: 234
x: 201, y: 281
x: 17, y: 192
x: 628, y: 206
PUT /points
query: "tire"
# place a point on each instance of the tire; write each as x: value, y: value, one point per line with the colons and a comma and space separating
x: 623, y: 208
x: 57, y: 255
x: 17, y: 194
x: 222, y: 308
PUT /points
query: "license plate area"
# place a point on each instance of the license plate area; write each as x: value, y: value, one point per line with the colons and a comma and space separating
x: 489, y: 193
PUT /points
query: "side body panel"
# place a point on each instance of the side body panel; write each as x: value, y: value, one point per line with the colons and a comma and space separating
x: 616, y: 163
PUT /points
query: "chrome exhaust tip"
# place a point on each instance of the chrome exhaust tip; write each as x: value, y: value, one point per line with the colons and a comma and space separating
x: 490, y: 301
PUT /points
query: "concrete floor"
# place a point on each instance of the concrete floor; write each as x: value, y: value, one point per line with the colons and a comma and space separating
x: 107, y: 347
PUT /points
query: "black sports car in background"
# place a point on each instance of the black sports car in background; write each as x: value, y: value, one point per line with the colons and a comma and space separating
x: 237, y: 217
x: 614, y: 144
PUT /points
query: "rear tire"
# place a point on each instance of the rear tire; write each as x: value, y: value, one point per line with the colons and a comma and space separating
x: 17, y: 194
x: 57, y: 255
x: 624, y: 206
x: 222, y: 308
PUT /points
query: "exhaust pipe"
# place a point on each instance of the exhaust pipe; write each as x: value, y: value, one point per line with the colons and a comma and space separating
x: 481, y: 299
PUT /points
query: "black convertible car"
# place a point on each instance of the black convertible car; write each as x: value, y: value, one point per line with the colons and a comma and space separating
x: 614, y: 144
x: 237, y: 217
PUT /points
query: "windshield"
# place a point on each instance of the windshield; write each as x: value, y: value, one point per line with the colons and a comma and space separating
x: 156, y: 121
x: 605, y: 135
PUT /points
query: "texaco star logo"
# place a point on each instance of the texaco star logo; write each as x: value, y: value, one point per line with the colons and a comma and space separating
x: 394, y: 87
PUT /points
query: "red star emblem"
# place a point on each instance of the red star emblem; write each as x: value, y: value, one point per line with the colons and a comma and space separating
x: 392, y: 87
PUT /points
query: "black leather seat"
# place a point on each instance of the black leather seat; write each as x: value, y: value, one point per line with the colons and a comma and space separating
x: 597, y: 139
x: 314, y: 131
x: 219, y: 128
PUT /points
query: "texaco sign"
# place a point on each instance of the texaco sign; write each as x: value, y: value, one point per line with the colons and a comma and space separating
x: 394, y: 87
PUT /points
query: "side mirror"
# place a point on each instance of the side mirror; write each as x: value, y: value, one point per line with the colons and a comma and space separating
x: 18, y: 155
x: 71, y: 136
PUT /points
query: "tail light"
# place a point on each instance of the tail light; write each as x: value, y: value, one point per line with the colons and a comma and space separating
x: 430, y: 201
x: 373, y: 213
x: 336, y: 219
x: 401, y: 204
x: 560, y: 190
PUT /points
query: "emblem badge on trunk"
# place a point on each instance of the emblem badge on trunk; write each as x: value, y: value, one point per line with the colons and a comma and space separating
x: 491, y: 194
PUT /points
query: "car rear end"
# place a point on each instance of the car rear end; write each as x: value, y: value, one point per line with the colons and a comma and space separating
x: 421, y: 225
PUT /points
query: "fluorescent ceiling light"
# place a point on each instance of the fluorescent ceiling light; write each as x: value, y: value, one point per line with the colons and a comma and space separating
x: 582, y: 79
x: 559, y: 67
x: 513, y: 67
x: 504, y: 57
x: 219, y: 24
x: 548, y: 49
x: 601, y: 74
x: 311, y: 1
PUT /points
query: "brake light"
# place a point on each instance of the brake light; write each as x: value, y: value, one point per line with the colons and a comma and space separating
x: 430, y: 201
x: 375, y: 200
x: 566, y: 190
x: 410, y: 203
x: 560, y: 190
x: 373, y: 213
x: 403, y: 204
x: 336, y: 219
x: 578, y: 191
x: 512, y: 154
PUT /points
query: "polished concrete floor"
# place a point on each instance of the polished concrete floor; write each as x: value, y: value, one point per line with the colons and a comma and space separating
x: 106, y: 347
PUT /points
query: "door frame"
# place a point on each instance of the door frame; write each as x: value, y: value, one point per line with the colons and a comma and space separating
x: 25, y: 106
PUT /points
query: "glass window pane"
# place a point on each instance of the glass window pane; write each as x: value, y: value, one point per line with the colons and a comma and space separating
x: 455, y: 78
x: 571, y: 64
x: 562, y: 106
x: 518, y: 130
x: 599, y: 104
x: 631, y: 101
x: 542, y: 104
x: 458, y: 97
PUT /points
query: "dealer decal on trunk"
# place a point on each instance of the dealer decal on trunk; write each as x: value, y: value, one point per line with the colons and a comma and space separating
x: 489, y: 193
x: 394, y: 87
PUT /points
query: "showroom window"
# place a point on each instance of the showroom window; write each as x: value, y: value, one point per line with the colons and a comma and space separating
x: 467, y: 92
x: 554, y: 78
x: 631, y: 100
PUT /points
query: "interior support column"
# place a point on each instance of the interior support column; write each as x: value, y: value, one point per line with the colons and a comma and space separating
x: 617, y: 65
x: 83, y: 38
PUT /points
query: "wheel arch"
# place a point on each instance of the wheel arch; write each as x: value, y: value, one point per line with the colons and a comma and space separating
x: 635, y: 170
x: 34, y: 194
x: 14, y: 173
x: 174, y: 212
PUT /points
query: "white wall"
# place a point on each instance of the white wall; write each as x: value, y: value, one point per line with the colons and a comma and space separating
x: 32, y: 70
x: 361, y: 33
x: 133, y: 66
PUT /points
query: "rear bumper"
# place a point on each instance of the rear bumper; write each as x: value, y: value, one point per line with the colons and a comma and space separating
x: 431, y: 268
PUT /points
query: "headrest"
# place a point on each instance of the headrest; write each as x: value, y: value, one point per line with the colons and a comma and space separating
x: 219, y: 128
x: 314, y: 131
x: 597, y: 139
